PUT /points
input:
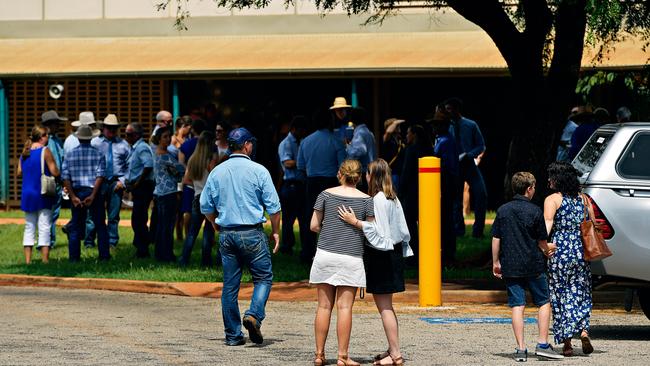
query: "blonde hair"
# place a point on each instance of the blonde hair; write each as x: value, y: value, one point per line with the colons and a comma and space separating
x: 380, y: 179
x: 200, y: 159
x: 350, y: 172
x: 37, y: 133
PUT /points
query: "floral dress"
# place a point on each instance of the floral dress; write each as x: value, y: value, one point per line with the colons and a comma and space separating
x: 569, y: 274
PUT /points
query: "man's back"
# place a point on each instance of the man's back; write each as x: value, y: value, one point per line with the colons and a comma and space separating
x: 320, y: 154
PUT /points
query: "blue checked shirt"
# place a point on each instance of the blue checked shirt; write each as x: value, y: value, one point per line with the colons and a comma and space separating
x: 239, y: 190
x: 83, y: 165
x: 141, y: 157
x: 121, y: 152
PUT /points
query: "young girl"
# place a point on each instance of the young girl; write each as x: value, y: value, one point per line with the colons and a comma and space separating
x: 388, y: 236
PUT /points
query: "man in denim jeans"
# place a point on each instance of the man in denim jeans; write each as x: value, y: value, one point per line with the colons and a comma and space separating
x: 518, y: 241
x: 239, y: 190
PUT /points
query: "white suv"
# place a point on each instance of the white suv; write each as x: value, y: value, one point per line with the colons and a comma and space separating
x: 615, y: 173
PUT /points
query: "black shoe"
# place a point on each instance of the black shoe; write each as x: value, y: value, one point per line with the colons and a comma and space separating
x: 239, y: 342
x: 253, y: 327
x: 64, y: 228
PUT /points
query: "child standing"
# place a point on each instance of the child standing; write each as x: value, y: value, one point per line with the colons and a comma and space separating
x: 518, y: 240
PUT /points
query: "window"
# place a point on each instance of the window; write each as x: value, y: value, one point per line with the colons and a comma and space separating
x: 635, y: 161
x: 591, y: 152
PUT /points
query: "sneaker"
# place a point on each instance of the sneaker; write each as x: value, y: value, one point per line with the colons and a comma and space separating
x: 547, y: 351
x: 239, y: 342
x: 521, y: 355
x: 253, y: 327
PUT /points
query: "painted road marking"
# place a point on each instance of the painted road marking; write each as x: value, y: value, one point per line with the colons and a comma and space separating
x: 475, y: 320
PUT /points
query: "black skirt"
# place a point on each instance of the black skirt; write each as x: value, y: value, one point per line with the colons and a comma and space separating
x: 384, y: 270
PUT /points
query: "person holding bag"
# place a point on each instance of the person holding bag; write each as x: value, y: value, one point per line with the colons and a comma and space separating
x: 37, y: 167
x: 388, y: 238
x: 569, y: 274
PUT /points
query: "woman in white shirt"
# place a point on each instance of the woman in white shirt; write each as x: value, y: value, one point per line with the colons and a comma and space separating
x: 383, y: 259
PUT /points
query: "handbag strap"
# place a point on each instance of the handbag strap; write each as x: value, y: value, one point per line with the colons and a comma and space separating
x: 43, y: 160
x: 585, y: 203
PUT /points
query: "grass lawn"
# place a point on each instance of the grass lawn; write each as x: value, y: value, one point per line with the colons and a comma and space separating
x: 124, y: 266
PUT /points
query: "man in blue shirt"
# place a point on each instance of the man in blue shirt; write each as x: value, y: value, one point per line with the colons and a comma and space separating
x: 116, y: 151
x: 83, y: 173
x: 51, y: 120
x: 139, y: 181
x: 362, y: 147
x: 470, y: 144
x: 235, y: 196
x: 292, y: 193
x: 319, y: 156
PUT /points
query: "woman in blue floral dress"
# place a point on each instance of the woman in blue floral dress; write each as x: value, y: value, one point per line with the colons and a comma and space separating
x: 569, y: 275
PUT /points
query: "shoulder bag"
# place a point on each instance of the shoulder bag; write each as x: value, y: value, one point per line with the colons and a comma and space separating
x: 593, y: 243
x: 48, y: 183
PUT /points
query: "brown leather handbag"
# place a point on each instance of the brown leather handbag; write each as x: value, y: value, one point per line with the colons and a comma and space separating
x: 593, y: 243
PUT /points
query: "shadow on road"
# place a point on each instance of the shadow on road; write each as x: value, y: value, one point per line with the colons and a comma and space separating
x: 620, y: 332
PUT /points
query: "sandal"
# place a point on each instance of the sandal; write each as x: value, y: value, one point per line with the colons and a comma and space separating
x: 319, y: 359
x: 344, y: 360
x: 587, y: 348
x: 395, y: 361
x: 382, y: 355
x: 567, y: 349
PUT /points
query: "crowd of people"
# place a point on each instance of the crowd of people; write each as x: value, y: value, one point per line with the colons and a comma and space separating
x: 357, y: 212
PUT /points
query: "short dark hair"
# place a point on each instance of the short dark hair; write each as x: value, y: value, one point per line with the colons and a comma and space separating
x: 137, y: 128
x: 298, y: 122
x: 198, y: 126
x: 159, y: 132
x: 322, y: 119
x: 521, y: 181
x: 455, y: 102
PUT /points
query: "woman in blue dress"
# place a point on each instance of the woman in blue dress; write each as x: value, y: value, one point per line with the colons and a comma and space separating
x: 37, y: 207
x: 569, y: 275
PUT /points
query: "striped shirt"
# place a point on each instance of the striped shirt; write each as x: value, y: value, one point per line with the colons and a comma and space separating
x: 337, y: 236
x: 83, y: 165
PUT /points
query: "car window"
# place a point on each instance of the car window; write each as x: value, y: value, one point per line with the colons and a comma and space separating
x: 633, y: 163
x: 591, y: 152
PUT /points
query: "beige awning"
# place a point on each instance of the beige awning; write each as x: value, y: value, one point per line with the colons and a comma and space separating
x: 441, y: 53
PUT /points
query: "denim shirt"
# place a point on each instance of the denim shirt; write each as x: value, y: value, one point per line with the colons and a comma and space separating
x: 288, y: 150
x: 239, y: 190
x: 168, y: 172
x: 362, y: 146
x: 471, y: 139
x: 141, y: 157
x: 121, y: 151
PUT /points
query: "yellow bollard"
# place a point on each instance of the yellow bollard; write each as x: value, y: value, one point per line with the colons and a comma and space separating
x: 430, y: 284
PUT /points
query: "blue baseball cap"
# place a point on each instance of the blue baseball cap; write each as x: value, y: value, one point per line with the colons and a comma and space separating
x: 240, y: 135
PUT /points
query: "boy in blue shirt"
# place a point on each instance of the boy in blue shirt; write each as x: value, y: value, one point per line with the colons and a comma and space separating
x: 518, y: 241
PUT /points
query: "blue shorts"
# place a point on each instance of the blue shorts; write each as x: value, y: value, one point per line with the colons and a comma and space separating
x: 538, y: 286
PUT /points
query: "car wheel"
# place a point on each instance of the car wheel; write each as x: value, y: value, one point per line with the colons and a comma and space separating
x: 644, y: 300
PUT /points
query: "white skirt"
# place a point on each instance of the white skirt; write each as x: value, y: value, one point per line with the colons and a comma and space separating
x: 337, y: 269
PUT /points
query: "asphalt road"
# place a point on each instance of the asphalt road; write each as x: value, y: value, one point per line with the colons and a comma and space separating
x: 44, y: 326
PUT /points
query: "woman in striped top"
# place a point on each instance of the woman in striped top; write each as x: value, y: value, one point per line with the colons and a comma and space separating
x: 338, y: 269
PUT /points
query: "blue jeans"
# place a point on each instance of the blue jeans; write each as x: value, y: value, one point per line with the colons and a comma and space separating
x: 78, y: 223
x: 142, y: 197
x: 196, y: 221
x: 239, y: 248
x: 471, y: 174
x: 167, y: 207
x: 112, y: 201
x: 538, y: 286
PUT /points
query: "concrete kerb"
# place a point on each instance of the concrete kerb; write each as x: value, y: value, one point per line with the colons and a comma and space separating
x: 282, y: 291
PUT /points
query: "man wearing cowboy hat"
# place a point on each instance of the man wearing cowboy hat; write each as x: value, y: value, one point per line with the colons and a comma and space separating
x: 85, y: 118
x: 83, y: 174
x: 341, y: 114
x: 117, y: 151
x: 51, y: 120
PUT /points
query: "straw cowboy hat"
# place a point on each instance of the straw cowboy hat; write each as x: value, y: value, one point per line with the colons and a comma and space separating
x: 85, y: 118
x: 340, y: 102
x: 85, y: 132
x: 111, y: 120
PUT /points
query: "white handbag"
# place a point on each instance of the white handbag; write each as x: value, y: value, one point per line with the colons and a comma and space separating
x: 48, y: 183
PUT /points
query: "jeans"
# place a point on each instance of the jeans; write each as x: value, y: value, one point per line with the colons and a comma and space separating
x: 238, y: 248
x: 113, y: 202
x: 164, y: 247
x: 56, y: 210
x: 471, y: 174
x: 142, y: 196
x: 538, y: 286
x: 292, y: 195
x: 196, y: 221
x: 78, y: 222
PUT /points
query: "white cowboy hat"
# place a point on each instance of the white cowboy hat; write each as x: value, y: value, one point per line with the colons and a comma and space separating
x: 340, y: 102
x: 85, y: 118
x: 111, y: 120
x: 85, y: 132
